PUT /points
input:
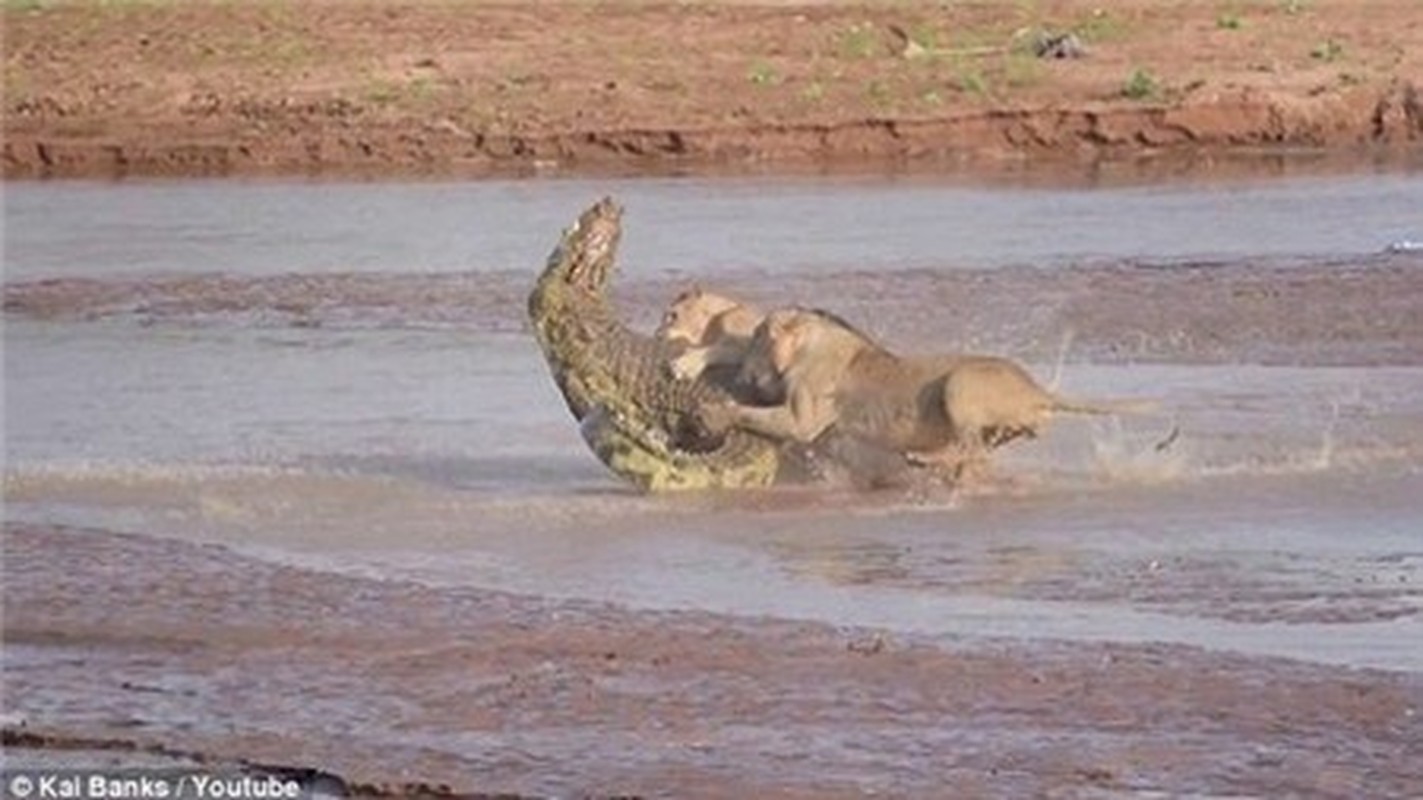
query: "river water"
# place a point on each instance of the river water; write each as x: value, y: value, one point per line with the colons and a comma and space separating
x: 698, y: 226
x: 337, y: 375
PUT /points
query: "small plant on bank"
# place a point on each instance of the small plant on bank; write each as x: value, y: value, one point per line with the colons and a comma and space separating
x: 1022, y: 69
x: 1141, y: 85
x: 1028, y: 9
x: 924, y: 37
x: 1099, y: 26
x: 1327, y: 51
x: 381, y: 91
x: 878, y: 93
x: 1229, y: 22
x: 860, y: 41
x: 972, y: 80
x: 763, y: 74
x: 421, y: 89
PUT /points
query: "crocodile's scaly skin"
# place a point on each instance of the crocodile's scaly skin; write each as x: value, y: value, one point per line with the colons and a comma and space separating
x: 644, y: 424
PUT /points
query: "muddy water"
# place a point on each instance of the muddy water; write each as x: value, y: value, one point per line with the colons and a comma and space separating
x: 335, y: 375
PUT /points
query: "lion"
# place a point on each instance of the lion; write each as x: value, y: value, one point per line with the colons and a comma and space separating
x: 948, y: 410
x: 716, y: 329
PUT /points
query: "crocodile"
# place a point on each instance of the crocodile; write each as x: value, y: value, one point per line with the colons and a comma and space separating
x: 649, y: 427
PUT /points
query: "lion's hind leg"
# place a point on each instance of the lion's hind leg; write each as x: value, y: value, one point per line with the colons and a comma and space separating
x: 955, y: 462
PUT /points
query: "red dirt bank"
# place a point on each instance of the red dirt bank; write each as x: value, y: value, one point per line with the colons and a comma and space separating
x: 166, y: 88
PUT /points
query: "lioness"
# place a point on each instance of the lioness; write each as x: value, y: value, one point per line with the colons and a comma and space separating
x: 947, y: 409
x: 716, y: 328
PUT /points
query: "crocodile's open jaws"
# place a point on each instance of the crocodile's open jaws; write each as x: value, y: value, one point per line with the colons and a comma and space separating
x: 642, y: 422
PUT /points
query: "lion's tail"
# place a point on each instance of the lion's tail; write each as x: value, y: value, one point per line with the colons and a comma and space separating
x: 1103, y: 407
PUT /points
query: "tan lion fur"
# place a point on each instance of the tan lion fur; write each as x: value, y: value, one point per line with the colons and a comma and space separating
x: 949, y: 409
x: 716, y: 329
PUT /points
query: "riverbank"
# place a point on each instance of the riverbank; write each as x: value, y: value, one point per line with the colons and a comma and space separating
x: 223, y: 660
x: 471, y: 89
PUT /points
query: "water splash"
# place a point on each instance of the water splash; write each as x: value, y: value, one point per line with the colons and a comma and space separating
x: 1122, y: 457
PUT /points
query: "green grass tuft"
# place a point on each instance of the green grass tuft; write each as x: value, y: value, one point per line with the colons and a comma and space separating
x: 860, y: 41
x: 763, y: 74
x: 1141, y: 85
x: 1327, y: 51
